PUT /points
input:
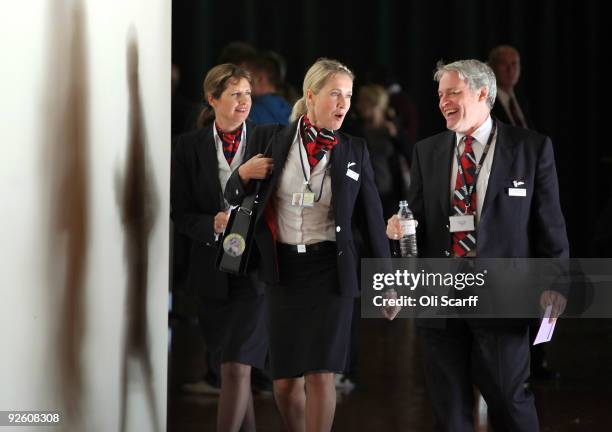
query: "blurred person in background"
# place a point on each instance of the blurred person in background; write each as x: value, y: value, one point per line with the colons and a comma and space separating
x: 386, y: 152
x: 269, y: 107
x: 506, y: 63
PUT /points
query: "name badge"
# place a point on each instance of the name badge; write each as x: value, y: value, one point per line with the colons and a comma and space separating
x: 303, y: 199
x: 352, y: 174
x: 461, y: 223
x: 517, y: 192
x: 308, y: 200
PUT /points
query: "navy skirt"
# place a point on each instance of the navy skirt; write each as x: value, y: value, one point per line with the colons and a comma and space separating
x: 309, y: 322
x: 234, y: 329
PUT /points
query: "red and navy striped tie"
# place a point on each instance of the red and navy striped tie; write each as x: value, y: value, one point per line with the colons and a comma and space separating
x: 464, y: 241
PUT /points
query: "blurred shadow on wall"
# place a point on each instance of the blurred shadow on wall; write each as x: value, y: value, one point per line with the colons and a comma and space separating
x: 138, y: 204
x: 65, y: 164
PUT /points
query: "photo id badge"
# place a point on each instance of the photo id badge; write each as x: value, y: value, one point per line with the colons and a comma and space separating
x: 303, y: 199
x: 297, y: 199
x: 461, y: 223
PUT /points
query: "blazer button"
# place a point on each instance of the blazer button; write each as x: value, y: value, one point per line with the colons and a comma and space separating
x: 237, y: 192
x: 338, y: 228
x: 339, y: 253
x: 447, y: 253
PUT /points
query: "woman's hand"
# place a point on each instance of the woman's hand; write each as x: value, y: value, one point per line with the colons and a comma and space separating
x: 258, y: 168
x: 220, y: 222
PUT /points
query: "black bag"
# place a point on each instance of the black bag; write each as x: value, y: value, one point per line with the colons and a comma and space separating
x: 235, y: 246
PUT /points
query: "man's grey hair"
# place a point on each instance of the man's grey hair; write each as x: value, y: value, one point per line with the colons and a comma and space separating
x: 477, y: 74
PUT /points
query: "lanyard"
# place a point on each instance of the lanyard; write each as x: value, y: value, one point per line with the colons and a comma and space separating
x: 467, y: 198
x: 306, y: 181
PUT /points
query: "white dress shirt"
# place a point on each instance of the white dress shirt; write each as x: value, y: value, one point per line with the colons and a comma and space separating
x: 304, y: 225
x: 225, y: 169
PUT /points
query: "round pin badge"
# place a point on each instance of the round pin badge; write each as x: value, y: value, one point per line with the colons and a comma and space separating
x: 234, y: 245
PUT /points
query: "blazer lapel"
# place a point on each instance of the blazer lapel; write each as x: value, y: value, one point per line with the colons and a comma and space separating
x: 444, y: 152
x: 280, y: 149
x: 339, y: 163
x: 207, y: 155
x: 503, y: 158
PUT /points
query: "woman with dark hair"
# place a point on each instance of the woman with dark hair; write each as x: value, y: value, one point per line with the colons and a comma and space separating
x: 231, y: 313
x: 319, y: 200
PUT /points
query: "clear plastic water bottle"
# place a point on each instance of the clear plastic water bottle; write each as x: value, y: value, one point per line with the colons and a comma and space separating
x: 408, y: 241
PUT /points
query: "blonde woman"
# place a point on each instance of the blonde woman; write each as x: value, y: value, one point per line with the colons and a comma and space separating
x: 320, y: 191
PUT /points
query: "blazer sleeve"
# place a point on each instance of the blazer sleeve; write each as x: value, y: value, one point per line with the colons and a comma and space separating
x: 187, y: 219
x: 235, y: 190
x: 415, y: 195
x: 369, y: 199
x: 549, y: 224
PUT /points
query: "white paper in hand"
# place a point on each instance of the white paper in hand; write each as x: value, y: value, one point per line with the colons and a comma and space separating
x: 546, y: 329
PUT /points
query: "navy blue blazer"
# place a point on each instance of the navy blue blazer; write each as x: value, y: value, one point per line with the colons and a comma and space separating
x: 532, y: 226
x: 510, y: 226
x: 196, y: 197
x: 360, y: 227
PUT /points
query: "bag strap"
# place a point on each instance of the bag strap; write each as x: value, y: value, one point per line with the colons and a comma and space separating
x: 248, y: 203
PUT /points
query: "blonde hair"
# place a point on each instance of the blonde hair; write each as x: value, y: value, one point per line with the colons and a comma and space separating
x: 315, y: 79
x: 375, y: 95
x: 215, y: 83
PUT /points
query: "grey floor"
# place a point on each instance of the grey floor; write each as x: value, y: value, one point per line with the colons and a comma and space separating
x: 391, y: 395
